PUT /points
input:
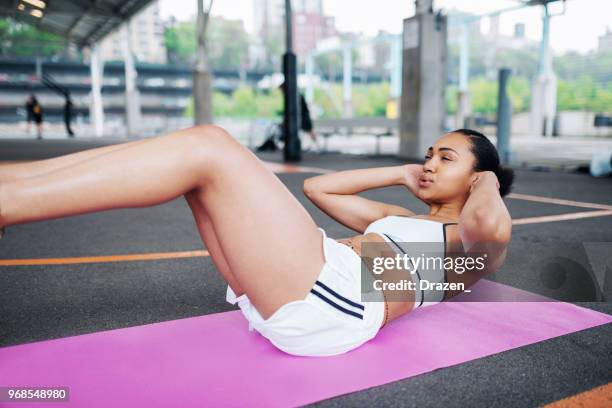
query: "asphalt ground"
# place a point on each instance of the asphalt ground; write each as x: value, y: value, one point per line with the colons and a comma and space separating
x: 60, y: 289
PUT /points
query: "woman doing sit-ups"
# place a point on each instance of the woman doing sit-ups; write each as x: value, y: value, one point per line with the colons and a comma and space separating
x: 296, y: 286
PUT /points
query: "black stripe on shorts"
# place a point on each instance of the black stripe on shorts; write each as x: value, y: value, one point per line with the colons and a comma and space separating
x: 336, y: 294
x: 335, y: 305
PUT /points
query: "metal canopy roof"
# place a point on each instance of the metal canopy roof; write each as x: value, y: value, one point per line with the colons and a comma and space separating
x: 83, y: 22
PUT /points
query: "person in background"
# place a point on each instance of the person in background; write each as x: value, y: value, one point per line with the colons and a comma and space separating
x: 34, y: 113
x: 29, y: 112
x: 68, y: 110
x: 306, y: 121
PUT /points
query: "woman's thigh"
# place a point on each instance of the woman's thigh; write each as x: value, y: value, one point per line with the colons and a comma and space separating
x: 270, y: 242
x: 209, y: 237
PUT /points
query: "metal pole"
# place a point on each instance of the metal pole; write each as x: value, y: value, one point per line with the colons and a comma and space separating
x: 464, y: 58
x: 39, y: 68
x: 396, y: 68
x: 292, y: 150
x: 288, y: 26
x: 550, y: 90
x: 347, y: 79
x: 544, y: 91
x: 544, y: 46
x: 132, y: 103
x: 202, y: 78
x: 96, y: 109
x: 463, y: 105
x: 310, y: 78
x: 504, y: 117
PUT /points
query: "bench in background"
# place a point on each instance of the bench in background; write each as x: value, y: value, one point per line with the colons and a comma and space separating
x: 376, y: 126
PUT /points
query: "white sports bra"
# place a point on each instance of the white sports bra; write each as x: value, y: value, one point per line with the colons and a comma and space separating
x: 399, y: 230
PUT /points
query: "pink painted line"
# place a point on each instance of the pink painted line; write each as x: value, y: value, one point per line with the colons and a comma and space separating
x: 549, y: 200
x: 561, y: 217
x: 289, y: 168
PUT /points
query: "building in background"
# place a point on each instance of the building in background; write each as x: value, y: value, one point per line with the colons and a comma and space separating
x: 605, y: 42
x: 455, y: 29
x: 267, y: 35
x: 497, y: 44
x: 268, y: 14
x: 310, y: 25
x: 147, y: 38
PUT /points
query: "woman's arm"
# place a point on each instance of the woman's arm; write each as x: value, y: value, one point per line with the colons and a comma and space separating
x: 485, y: 224
x: 335, y: 194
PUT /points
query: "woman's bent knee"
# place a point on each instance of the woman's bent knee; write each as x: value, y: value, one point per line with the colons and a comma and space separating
x: 211, y: 136
x: 212, y: 147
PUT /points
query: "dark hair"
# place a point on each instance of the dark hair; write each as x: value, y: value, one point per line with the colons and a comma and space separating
x: 487, y: 159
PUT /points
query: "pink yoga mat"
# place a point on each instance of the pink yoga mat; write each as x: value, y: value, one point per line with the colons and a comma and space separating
x: 214, y: 360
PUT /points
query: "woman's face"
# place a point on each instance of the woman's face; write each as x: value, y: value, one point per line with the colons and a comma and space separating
x: 448, y: 171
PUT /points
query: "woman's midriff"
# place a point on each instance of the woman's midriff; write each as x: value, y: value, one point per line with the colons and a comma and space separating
x: 395, y: 307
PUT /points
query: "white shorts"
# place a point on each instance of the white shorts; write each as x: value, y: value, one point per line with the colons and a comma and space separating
x: 331, y: 320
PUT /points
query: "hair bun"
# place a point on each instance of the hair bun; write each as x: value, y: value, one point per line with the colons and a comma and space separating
x: 505, y: 176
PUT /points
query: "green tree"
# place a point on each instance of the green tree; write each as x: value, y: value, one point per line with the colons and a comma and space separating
x: 227, y: 43
x: 245, y: 104
x: 270, y: 104
x: 451, y: 96
x: 483, y: 94
x: 330, y: 101
x: 585, y: 92
x: 331, y: 63
x: 603, y: 101
x: 573, y: 65
x: 222, y: 105
x: 274, y: 42
x: 181, y: 42
x: 523, y: 61
x: 23, y: 40
x: 371, y: 100
x: 519, y: 92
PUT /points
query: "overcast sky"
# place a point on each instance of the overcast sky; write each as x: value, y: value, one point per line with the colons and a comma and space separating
x: 578, y: 29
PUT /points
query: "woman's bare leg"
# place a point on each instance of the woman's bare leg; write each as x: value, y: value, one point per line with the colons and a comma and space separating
x: 271, y: 244
x: 209, y: 236
x: 269, y: 240
x: 15, y: 171
x: 140, y: 175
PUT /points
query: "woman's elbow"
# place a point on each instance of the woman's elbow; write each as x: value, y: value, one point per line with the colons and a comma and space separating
x: 498, y: 228
x: 503, y: 231
x: 481, y: 227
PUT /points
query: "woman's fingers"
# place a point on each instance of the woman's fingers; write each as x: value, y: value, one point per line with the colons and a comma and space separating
x: 412, y: 174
